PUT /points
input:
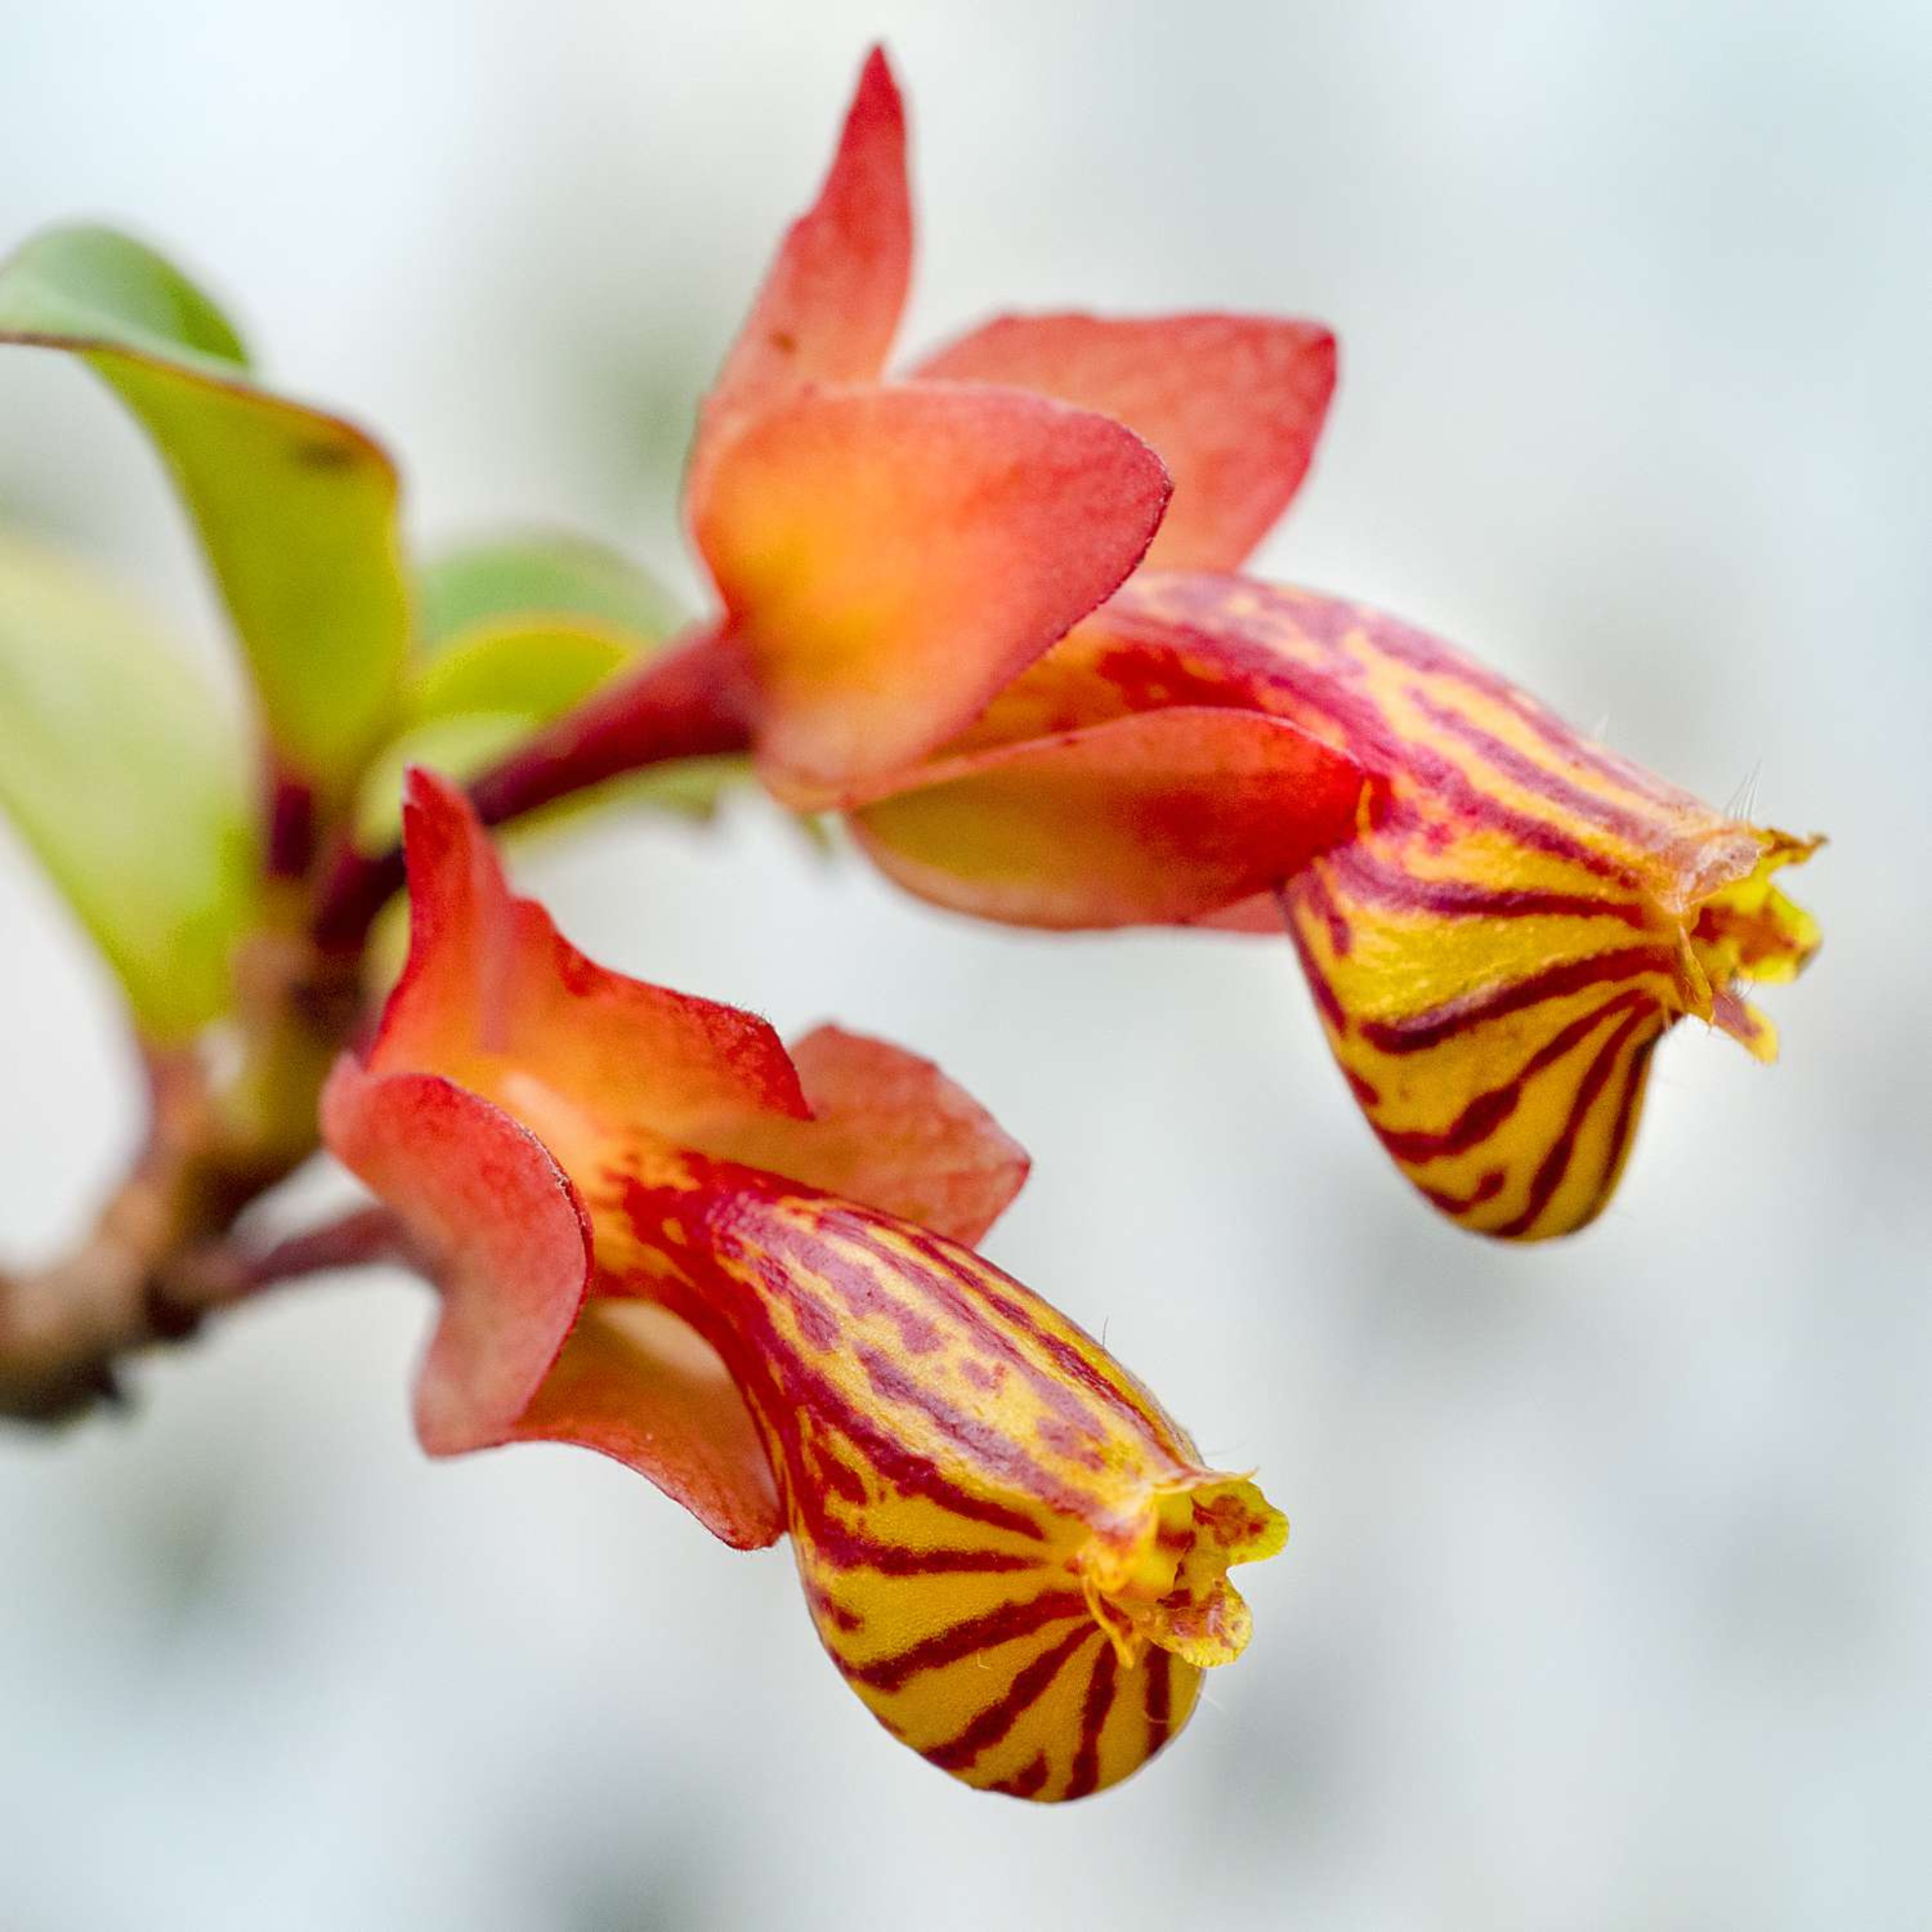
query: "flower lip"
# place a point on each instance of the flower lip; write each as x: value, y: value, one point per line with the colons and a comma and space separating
x: 1162, y: 1580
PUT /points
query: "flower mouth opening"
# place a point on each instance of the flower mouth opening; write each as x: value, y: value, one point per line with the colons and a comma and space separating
x: 1163, y: 1579
x: 1747, y: 932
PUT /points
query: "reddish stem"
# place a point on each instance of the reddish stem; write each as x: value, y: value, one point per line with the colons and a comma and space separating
x: 692, y: 701
x: 290, y: 814
x: 365, y: 1238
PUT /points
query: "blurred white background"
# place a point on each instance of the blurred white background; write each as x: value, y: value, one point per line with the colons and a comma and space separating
x: 1609, y: 1598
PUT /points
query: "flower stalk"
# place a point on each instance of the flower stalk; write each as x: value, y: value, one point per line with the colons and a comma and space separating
x: 683, y: 703
x: 160, y: 1254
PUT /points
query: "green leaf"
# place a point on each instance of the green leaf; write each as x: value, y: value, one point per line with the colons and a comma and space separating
x: 541, y: 575
x: 537, y: 668
x: 296, y: 508
x: 129, y: 784
x: 91, y: 284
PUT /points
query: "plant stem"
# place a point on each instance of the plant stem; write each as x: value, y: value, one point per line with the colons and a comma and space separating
x: 153, y: 1264
x: 365, y: 1238
x: 161, y: 1255
x: 688, y: 702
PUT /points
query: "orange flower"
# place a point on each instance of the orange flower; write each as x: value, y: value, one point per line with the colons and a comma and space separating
x: 890, y: 554
x: 745, y: 1274
x: 1498, y: 919
x: 1519, y: 918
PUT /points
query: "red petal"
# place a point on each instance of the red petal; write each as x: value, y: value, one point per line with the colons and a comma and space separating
x: 493, y: 991
x: 1262, y: 915
x: 505, y: 1235
x: 889, y: 1130
x: 1150, y: 819
x: 830, y: 303
x: 509, y: 1234
x: 890, y: 557
x: 636, y: 1384
x: 1232, y: 404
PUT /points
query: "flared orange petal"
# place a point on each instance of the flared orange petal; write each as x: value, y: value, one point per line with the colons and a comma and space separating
x: 1233, y: 405
x: 502, y: 1229
x: 636, y: 1383
x: 494, y: 996
x: 889, y: 1130
x: 830, y: 303
x: 519, y: 1354
x: 1146, y: 820
x: 889, y: 557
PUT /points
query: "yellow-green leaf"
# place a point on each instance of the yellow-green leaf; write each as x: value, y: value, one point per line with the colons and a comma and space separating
x: 541, y: 574
x: 537, y: 668
x: 296, y: 507
x: 129, y: 784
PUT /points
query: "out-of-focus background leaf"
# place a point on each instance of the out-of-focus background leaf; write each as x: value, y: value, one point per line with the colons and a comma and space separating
x: 487, y: 582
x: 126, y: 777
x: 1609, y: 1597
x: 296, y: 507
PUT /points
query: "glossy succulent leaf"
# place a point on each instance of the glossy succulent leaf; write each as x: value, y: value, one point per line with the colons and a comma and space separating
x: 517, y: 631
x: 296, y: 508
x: 86, y: 283
x: 506, y: 582
x: 494, y: 687
x: 459, y: 746
x: 129, y: 782
x: 1012, y: 1554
